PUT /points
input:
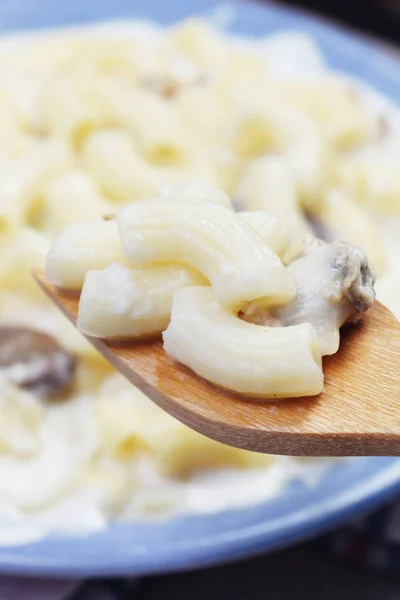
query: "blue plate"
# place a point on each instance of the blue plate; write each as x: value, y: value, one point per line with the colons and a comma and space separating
x: 348, y: 489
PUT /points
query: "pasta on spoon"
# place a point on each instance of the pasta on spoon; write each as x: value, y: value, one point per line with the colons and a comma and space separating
x: 253, y: 326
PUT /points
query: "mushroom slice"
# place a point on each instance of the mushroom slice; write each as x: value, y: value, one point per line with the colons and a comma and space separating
x: 334, y: 285
x: 33, y: 360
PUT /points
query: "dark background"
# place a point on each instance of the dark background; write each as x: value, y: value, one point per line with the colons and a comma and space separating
x: 378, y: 17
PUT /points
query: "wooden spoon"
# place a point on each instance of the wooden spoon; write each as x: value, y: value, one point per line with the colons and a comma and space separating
x: 358, y: 413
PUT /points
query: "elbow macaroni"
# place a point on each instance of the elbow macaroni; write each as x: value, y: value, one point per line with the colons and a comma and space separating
x: 196, y: 191
x: 72, y: 197
x: 275, y: 234
x: 27, y: 252
x: 159, y: 133
x: 335, y: 105
x: 267, y: 179
x: 277, y: 126
x: 119, y: 303
x: 223, y: 247
x: 23, y: 178
x: 241, y: 356
x: 111, y: 160
x: 82, y: 247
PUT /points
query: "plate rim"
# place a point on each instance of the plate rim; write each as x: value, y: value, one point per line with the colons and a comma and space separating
x: 349, y: 502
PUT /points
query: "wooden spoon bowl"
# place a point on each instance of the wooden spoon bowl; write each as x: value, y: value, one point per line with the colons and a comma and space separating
x: 358, y: 413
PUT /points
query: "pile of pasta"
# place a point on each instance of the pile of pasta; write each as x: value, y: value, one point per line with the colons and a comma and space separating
x: 170, y: 250
x: 92, y: 120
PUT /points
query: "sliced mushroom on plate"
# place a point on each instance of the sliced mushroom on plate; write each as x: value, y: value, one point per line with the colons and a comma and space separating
x: 33, y: 360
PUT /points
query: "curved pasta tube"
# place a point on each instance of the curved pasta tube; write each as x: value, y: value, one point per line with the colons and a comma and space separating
x: 67, y: 108
x: 372, y: 179
x: 82, y: 247
x: 210, y: 238
x: 212, y: 128
x: 122, y: 174
x: 55, y: 445
x: 274, y: 125
x: 213, y: 124
x: 111, y: 160
x: 22, y: 179
x: 129, y: 422
x: 119, y: 303
x: 116, y: 57
x: 201, y: 43
x: 268, y: 186
x: 71, y: 197
x: 196, y: 191
x: 274, y: 233
x: 26, y: 252
x: 333, y: 103
x: 155, y: 124
x: 266, y: 362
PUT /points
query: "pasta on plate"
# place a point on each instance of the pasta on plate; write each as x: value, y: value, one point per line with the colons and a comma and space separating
x: 173, y: 178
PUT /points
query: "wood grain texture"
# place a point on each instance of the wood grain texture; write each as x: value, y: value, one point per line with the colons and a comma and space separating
x: 358, y: 413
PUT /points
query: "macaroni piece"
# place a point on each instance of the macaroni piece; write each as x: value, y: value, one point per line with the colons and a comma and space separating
x: 272, y: 125
x: 372, y: 178
x: 218, y: 243
x: 257, y: 361
x: 160, y: 133
x: 121, y: 172
x: 71, y: 197
x: 22, y: 180
x: 67, y: 108
x: 197, y: 191
x: 212, y: 125
x: 112, y: 161
x: 82, y: 247
x: 119, y: 303
x: 333, y: 103
x: 274, y: 233
x: 26, y: 252
x: 131, y: 424
x: 265, y: 180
